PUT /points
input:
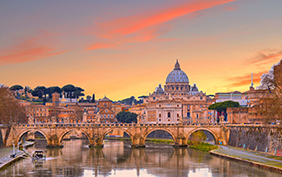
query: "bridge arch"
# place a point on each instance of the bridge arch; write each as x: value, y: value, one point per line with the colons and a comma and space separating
x: 174, y: 137
x: 112, y: 129
x: 203, y: 128
x: 32, y: 130
x: 68, y: 131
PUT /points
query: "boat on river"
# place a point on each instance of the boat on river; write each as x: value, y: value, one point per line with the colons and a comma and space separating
x: 38, y: 156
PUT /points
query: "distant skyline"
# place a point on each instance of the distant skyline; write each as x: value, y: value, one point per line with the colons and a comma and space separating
x: 127, y: 48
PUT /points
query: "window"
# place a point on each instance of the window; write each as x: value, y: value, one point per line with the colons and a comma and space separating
x: 168, y: 119
x: 160, y: 115
x: 177, y: 119
x: 160, y: 120
x: 177, y: 105
x: 177, y: 115
x: 168, y: 114
x: 160, y: 105
x: 105, y: 104
x: 197, y: 116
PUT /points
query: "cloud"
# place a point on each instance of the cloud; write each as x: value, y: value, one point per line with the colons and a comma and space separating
x: 145, y: 27
x: 245, y: 80
x: 29, y: 50
x: 264, y: 57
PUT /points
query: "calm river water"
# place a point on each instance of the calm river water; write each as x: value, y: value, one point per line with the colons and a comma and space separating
x: 118, y: 159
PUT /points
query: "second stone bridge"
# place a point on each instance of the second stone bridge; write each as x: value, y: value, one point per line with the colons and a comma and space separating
x: 54, y: 133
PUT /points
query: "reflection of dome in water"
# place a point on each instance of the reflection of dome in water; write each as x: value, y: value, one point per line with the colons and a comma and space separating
x: 177, y: 75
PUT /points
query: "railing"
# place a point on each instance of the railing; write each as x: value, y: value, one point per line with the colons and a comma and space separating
x: 133, y: 125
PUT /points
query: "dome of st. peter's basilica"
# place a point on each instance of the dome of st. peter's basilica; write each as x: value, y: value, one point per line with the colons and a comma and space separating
x: 177, y: 75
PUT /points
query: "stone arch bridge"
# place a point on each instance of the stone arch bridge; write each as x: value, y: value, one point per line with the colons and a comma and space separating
x: 54, y: 133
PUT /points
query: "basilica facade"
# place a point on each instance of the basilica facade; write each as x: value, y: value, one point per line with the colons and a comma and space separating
x: 177, y: 102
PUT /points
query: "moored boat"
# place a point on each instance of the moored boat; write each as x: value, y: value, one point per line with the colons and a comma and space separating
x: 38, y: 156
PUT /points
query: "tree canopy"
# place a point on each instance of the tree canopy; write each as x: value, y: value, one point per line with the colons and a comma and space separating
x: 16, y: 87
x: 126, y: 117
x: 222, y: 106
x: 69, y: 89
x: 129, y: 100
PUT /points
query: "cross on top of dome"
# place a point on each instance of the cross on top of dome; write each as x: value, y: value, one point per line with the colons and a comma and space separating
x: 177, y: 65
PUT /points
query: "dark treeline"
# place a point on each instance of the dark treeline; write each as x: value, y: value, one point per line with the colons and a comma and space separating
x: 45, y: 93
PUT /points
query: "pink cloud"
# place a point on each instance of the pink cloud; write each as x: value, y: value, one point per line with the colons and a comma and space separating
x: 144, y: 27
x: 28, y: 50
x: 245, y: 80
x: 264, y: 57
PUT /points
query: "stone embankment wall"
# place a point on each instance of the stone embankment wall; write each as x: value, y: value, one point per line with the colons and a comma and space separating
x: 264, y: 139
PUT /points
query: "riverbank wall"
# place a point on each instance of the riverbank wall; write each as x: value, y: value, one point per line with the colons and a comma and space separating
x: 3, y: 165
x: 263, y: 139
x: 252, y: 163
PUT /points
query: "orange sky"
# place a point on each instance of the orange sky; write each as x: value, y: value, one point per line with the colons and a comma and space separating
x: 125, y: 48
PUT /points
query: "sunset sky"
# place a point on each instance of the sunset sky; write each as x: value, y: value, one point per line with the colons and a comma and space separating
x: 121, y: 48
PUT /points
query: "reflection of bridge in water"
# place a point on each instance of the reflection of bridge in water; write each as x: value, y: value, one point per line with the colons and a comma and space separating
x: 54, y: 133
x: 119, y: 155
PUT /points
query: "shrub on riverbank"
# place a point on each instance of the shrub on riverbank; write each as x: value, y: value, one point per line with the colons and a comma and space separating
x: 201, y: 146
x: 161, y: 141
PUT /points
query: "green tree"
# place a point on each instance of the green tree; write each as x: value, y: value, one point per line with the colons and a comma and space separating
x: 69, y: 89
x: 129, y: 100
x: 39, y: 91
x: 222, y: 106
x: 198, y: 136
x: 93, y: 98
x: 53, y: 89
x: 126, y: 117
x: 16, y: 87
x: 78, y: 92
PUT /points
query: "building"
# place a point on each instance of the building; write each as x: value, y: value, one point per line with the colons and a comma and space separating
x: 162, y: 112
x: 40, y: 113
x: 106, y: 112
x: 194, y: 103
x: 235, y: 96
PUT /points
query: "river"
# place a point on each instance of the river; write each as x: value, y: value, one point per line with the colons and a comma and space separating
x: 117, y: 158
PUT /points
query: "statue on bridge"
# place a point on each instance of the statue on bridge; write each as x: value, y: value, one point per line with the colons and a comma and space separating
x: 31, y: 120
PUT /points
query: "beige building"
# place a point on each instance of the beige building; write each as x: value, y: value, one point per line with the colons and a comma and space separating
x: 40, y: 113
x: 162, y: 112
x: 194, y: 103
x: 106, y: 112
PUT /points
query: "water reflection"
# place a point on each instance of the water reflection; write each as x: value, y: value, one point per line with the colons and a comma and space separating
x: 119, y: 159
